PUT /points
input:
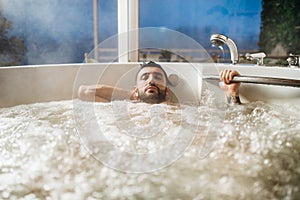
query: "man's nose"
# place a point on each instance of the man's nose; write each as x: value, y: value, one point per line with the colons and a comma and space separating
x: 151, y: 79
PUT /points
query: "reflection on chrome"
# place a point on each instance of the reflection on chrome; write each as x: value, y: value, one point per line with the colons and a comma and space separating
x: 220, y: 40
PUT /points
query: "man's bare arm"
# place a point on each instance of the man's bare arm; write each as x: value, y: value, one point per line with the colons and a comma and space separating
x: 102, y: 93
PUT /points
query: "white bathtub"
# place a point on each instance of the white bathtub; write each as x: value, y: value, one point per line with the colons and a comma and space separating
x: 63, y: 149
x: 40, y: 83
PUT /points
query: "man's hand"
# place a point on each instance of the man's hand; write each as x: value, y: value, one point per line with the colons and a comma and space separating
x: 231, y: 89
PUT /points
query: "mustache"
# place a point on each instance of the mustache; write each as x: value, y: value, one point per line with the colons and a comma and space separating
x: 152, y: 85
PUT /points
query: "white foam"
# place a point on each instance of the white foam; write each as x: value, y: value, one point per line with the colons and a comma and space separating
x: 254, y: 152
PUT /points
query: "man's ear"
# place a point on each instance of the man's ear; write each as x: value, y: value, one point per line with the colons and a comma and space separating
x: 135, y: 94
x: 167, y: 91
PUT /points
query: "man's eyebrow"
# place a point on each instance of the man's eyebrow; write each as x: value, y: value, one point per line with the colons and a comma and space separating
x: 155, y: 73
x: 158, y: 73
x: 146, y: 73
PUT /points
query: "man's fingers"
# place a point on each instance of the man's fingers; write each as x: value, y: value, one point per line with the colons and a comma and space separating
x: 227, y: 75
x: 224, y: 76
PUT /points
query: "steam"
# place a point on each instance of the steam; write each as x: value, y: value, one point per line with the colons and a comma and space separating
x: 55, y: 31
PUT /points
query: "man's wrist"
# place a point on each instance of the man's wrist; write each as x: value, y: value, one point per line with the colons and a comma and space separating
x: 233, y: 99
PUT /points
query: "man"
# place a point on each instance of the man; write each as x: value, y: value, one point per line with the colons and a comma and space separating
x: 152, y: 86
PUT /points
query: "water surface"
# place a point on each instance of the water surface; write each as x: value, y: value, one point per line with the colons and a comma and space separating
x: 251, y: 152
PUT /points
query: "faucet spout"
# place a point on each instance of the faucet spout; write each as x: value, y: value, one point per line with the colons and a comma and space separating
x: 220, y: 40
x: 259, y: 57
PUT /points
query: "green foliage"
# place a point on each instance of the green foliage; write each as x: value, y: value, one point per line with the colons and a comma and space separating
x: 12, y: 49
x: 280, y: 24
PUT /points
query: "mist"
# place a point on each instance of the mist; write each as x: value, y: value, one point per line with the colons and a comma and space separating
x: 61, y: 31
x: 58, y: 31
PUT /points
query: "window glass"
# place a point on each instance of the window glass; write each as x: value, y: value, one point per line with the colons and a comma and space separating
x: 55, y: 31
x: 199, y: 19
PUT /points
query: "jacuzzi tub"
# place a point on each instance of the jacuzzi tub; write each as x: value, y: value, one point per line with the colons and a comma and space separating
x: 29, y: 84
x: 52, y: 149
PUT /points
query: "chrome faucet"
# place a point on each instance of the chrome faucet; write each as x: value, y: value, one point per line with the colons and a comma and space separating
x: 293, y: 60
x: 259, y: 57
x: 220, y: 40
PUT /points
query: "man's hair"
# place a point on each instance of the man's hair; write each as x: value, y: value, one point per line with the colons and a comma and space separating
x: 153, y: 64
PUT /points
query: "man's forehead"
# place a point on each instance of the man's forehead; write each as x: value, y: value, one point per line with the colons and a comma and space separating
x: 151, y: 70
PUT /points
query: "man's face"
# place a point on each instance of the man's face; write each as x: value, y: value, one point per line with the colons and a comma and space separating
x: 151, y: 85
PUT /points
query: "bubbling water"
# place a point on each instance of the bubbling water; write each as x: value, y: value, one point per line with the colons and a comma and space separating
x: 254, y: 153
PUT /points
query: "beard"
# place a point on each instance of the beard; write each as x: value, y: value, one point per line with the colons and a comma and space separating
x: 153, y: 98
